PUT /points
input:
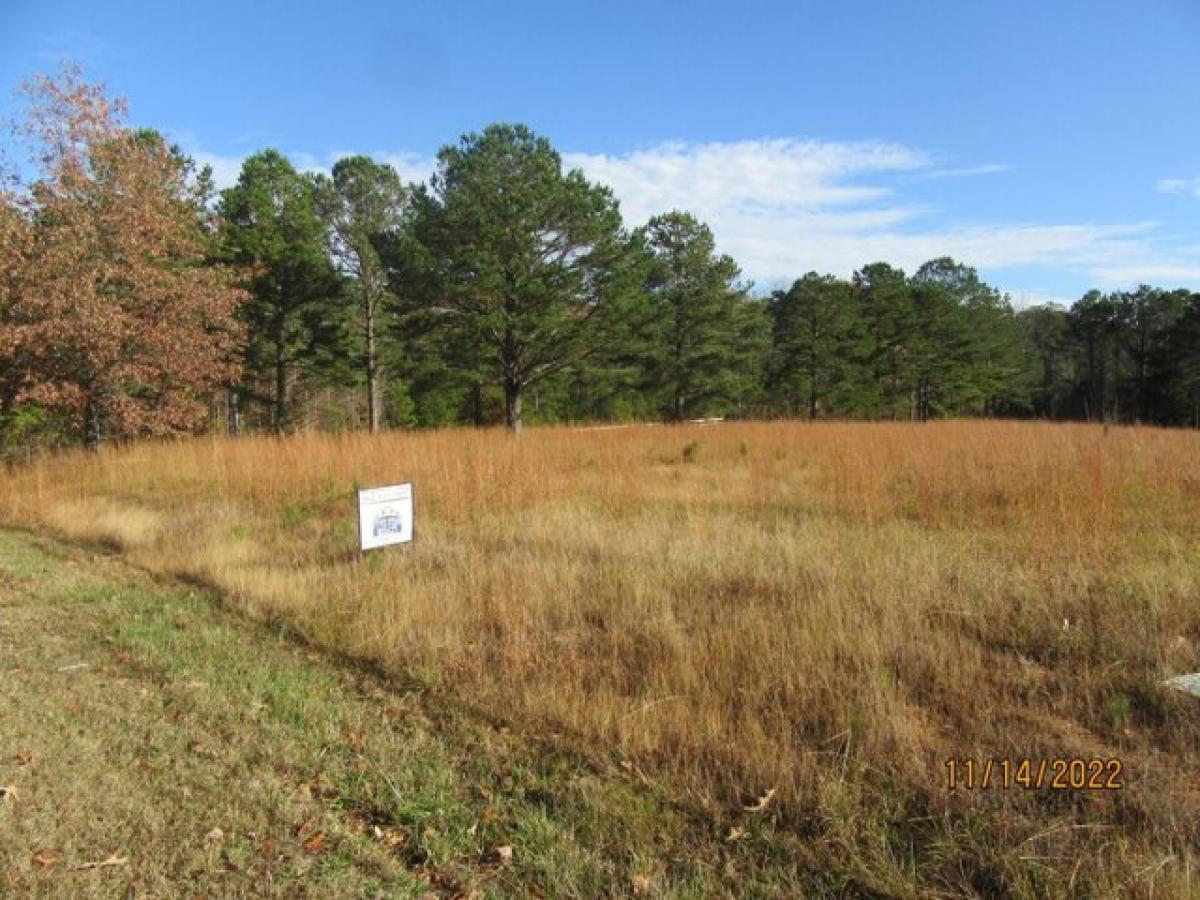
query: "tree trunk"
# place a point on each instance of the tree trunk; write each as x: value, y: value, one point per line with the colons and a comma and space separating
x: 476, y: 404
x: 91, y: 425
x: 512, y: 405
x: 279, y: 413
x: 1116, y: 390
x: 373, y: 411
x: 812, y: 399
x: 234, y: 425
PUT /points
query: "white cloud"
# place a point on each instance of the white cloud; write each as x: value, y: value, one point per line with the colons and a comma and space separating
x: 985, y: 169
x: 1163, y: 275
x: 225, y: 169
x: 306, y: 162
x: 784, y: 207
x: 795, y: 247
x: 411, y: 167
x: 771, y: 177
x: 1023, y: 299
x: 1179, y: 186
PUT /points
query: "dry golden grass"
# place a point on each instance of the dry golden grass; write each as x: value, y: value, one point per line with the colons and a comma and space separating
x: 829, y: 611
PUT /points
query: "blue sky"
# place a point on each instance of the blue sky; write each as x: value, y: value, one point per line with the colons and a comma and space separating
x: 1054, y: 145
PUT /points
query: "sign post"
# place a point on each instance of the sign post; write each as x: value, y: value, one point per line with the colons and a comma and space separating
x: 385, y: 516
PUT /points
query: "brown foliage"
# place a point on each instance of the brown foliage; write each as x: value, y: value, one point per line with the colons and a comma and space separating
x: 110, y: 313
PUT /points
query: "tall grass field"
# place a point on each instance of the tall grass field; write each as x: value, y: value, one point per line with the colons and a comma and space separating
x: 807, y: 620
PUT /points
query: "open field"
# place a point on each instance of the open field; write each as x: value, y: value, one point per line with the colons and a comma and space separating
x: 824, y: 612
x: 156, y: 745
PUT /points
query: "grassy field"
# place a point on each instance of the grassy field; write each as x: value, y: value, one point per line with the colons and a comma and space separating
x: 157, y: 745
x: 804, y: 620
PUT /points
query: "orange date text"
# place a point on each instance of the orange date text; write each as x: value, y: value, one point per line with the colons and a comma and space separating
x: 1069, y: 773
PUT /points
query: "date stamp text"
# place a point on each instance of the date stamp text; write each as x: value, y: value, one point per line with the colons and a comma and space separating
x: 1056, y: 774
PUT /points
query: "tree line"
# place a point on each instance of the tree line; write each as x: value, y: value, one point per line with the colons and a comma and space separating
x: 135, y: 299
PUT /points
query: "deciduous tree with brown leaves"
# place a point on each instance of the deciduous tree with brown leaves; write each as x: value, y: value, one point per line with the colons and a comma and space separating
x: 112, y: 313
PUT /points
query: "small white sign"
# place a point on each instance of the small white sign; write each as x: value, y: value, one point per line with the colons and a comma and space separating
x: 1189, y: 684
x: 385, y: 516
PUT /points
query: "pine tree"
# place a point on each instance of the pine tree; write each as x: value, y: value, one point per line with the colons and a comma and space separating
x: 704, y: 333
x: 364, y: 204
x: 272, y: 227
x: 815, y: 345
x: 524, y: 268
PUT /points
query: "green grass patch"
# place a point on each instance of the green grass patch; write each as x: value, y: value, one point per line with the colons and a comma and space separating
x: 220, y: 757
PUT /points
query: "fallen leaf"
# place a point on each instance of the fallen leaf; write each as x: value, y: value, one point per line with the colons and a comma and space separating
x: 354, y: 739
x: 761, y: 803
x: 215, y: 835
x: 505, y: 853
x: 390, y: 837
x: 317, y: 844
x: 320, y: 787
x: 24, y: 758
x: 113, y: 860
x: 45, y: 859
x: 736, y: 833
